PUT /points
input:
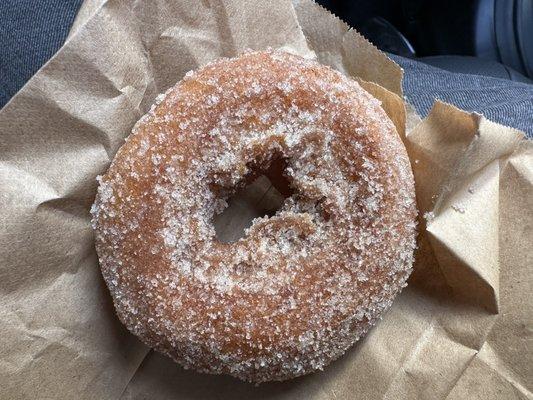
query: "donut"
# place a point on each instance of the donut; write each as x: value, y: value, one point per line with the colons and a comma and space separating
x: 302, y: 285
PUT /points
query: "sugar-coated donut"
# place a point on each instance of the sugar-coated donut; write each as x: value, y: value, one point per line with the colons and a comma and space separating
x: 301, y: 286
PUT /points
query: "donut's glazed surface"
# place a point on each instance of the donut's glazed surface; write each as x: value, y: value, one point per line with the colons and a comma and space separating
x: 301, y: 286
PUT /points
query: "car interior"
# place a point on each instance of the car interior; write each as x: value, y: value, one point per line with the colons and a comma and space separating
x: 481, y: 37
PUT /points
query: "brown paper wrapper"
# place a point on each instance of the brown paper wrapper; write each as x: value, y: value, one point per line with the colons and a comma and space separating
x: 461, y: 329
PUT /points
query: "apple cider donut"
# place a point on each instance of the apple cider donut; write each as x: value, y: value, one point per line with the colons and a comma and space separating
x: 301, y: 286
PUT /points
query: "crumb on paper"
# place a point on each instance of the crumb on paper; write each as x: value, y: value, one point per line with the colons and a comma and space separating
x: 429, y: 216
x: 458, y: 208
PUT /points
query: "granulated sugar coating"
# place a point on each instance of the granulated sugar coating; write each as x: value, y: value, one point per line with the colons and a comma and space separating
x: 301, y: 286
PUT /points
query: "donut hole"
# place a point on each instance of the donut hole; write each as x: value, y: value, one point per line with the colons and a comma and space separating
x: 263, y: 195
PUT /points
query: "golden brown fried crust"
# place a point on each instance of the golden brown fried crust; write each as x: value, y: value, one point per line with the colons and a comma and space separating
x: 301, y: 286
